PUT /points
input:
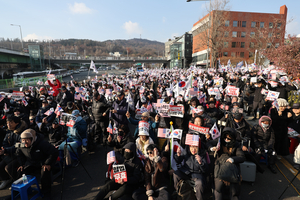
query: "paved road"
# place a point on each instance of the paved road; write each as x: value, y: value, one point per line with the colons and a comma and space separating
x: 78, y: 185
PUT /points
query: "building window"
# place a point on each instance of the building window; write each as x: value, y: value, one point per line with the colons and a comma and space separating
x: 244, y: 23
x: 276, y: 45
x: 227, y: 23
x: 278, y: 25
x: 277, y: 35
x: 250, y: 54
x: 253, y: 24
x: 225, y: 54
x: 242, y: 54
x: 226, y: 34
x: 233, y: 45
x: 262, y: 24
x: 242, y: 44
x: 252, y: 34
x: 269, y: 45
x: 243, y: 34
x: 232, y: 54
x: 270, y: 35
x: 235, y: 23
x: 251, y: 45
x: 225, y: 44
x: 234, y: 34
x: 271, y: 25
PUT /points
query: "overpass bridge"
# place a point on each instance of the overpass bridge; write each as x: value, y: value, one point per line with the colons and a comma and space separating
x: 8, y: 56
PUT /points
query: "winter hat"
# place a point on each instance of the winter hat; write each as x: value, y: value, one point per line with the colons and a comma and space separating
x: 282, y: 102
x: 29, y: 133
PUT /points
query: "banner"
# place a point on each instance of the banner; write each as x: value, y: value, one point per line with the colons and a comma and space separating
x: 67, y: 119
x: 272, y: 95
x: 232, y: 91
x: 164, y: 110
x: 253, y: 80
x: 120, y: 173
x: 51, y: 77
x: 200, y: 129
x: 17, y: 95
x: 176, y: 111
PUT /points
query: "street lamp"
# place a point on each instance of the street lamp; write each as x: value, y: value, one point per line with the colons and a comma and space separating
x: 21, y: 34
x: 208, y: 28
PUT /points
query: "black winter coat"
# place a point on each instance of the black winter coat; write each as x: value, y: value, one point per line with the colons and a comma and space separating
x: 56, y: 136
x: 38, y: 154
x: 263, y: 139
x: 98, y: 108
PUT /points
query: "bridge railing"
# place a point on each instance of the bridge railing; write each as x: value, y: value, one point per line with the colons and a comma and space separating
x: 22, y: 82
x: 102, y: 58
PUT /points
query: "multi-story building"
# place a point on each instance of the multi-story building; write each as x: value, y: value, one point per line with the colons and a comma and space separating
x: 179, y: 51
x: 243, y: 33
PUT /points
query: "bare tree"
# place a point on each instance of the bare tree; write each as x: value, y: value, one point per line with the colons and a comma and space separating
x: 266, y: 38
x: 213, y: 31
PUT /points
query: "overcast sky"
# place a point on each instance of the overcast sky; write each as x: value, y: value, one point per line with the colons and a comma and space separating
x: 119, y: 19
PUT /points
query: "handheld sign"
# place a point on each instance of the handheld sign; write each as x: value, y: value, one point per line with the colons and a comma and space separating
x: 120, y: 173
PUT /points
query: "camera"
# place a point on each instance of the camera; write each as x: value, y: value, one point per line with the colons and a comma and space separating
x: 19, y: 145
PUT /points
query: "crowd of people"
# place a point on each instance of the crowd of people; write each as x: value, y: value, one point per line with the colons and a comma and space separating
x: 129, y: 113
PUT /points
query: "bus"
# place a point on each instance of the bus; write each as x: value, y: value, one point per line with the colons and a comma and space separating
x: 31, y: 77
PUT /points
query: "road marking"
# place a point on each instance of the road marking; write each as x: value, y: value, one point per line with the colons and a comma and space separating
x: 289, y: 167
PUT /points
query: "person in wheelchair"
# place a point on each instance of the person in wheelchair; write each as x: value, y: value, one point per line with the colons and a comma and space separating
x: 75, y: 137
x: 194, y: 167
x: 264, y: 140
x: 156, y: 173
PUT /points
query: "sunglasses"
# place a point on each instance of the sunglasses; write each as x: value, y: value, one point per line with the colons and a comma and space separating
x: 150, y: 152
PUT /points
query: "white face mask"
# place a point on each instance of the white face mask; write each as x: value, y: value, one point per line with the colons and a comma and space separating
x: 264, y: 125
x: 49, y: 102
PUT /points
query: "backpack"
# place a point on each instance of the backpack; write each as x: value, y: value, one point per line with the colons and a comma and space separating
x: 185, y: 190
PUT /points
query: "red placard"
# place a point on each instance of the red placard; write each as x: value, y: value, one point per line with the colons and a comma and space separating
x: 200, y: 129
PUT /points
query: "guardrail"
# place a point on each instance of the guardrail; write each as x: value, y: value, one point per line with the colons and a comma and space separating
x: 11, y: 83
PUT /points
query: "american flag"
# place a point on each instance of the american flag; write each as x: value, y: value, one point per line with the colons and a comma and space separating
x: 109, y: 129
x: 1, y: 97
x: 149, y: 107
x: 77, y: 96
x: 163, y: 132
x: 192, y: 140
x: 111, y: 157
x: 50, y: 92
x: 49, y: 112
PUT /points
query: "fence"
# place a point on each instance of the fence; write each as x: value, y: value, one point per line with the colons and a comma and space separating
x: 21, y: 82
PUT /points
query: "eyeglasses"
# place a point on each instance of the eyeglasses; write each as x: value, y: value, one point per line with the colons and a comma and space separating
x: 149, y: 152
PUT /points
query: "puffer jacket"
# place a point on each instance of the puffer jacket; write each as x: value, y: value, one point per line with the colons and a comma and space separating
x: 56, y: 136
x: 191, y: 165
x: 121, y: 108
x: 12, y: 137
x: 38, y: 154
x: 78, y: 131
x: 263, y: 138
x: 98, y: 108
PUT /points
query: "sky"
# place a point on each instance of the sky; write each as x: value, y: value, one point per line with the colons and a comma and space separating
x: 101, y: 20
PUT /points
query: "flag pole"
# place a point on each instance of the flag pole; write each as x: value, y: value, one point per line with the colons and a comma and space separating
x: 171, y: 149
